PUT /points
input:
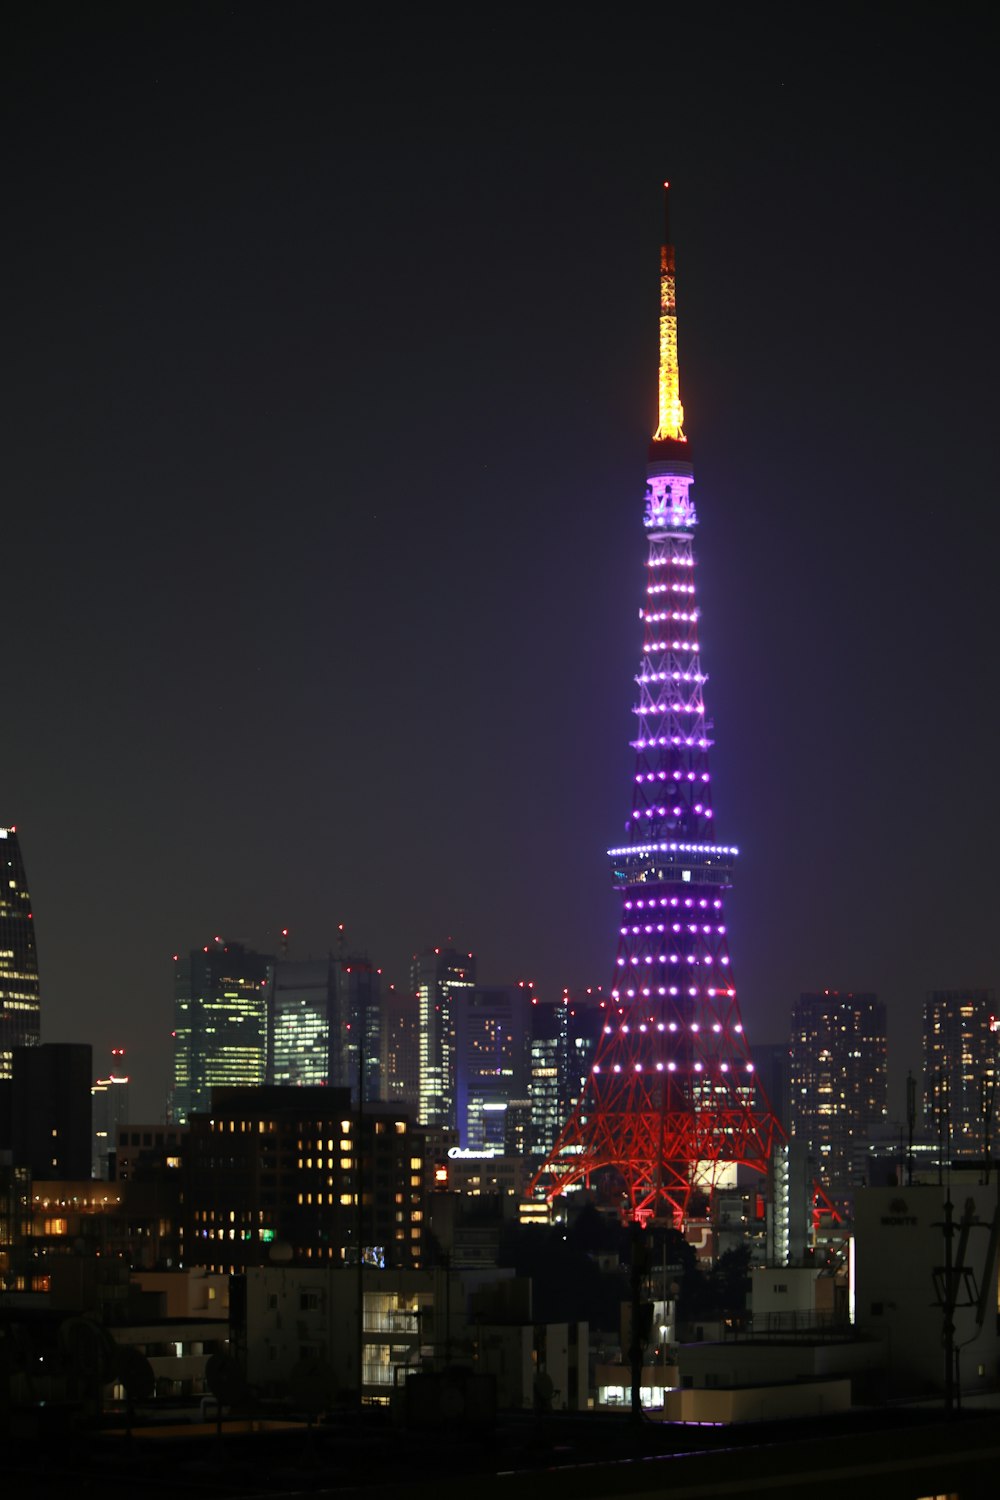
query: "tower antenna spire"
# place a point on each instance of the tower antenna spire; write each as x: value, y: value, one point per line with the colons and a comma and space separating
x: 670, y: 426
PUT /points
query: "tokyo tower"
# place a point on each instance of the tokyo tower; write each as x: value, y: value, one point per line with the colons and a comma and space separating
x: 671, y: 1106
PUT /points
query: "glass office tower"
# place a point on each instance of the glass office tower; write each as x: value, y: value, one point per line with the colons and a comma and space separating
x: 20, y: 1011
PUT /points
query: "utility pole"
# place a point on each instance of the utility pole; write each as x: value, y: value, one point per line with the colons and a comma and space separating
x: 641, y: 1314
x: 988, y: 1085
x: 955, y: 1285
x: 359, y: 1120
x: 948, y: 1310
x: 911, y: 1120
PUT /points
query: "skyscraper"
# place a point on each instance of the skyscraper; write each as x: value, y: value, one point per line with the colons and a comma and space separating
x: 50, y: 1110
x: 302, y: 1021
x: 961, y: 1055
x: 587, y: 1013
x: 562, y: 1037
x: 490, y: 1062
x: 401, y: 1048
x: 325, y: 1023
x: 548, y: 1051
x: 772, y: 1061
x: 838, y: 1085
x: 220, y: 1022
x: 20, y: 1008
x: 109, y: 1111
x: 357, y: 1039
x: 441, y: 979
x: 672, y: 1106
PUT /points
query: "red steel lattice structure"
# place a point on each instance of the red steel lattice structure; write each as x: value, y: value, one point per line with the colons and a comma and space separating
x: 671, y: 1104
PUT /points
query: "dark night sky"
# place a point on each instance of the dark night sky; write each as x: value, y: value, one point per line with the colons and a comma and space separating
x: 330, y: 370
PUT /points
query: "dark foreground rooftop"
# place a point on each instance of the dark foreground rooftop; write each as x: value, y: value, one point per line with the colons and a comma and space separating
x: 892, y: 1454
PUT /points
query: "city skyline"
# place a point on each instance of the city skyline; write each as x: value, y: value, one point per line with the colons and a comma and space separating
x: 327, y: 402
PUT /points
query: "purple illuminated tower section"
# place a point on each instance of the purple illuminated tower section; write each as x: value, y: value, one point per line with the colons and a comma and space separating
x: 672, y: 1108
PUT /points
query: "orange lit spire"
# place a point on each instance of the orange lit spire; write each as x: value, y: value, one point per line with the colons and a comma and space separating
x: 671, y: 412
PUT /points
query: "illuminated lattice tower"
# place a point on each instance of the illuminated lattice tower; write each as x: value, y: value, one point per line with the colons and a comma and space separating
x: 672, y: 1105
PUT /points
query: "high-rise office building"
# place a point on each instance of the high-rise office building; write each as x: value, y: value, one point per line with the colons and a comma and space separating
x: 548, y: 1052
x: 490, y: 1062
x: 109, y: 1110
x: 588, y: 1011
x: 441, y: 979
x: 302, y: 1021
x: 773, y: 1063
x: 20, y: 1008
x: 325, y: 1024
x: 50, y: 1110
x: 961, y: 1055
x: 562, y: 1036
x: 357, y: 1039
x: 400, y: 1046
x: 838, y: 1082
x: 221, y: 996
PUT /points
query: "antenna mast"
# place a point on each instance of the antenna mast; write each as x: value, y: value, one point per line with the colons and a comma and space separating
x: 671, y: 412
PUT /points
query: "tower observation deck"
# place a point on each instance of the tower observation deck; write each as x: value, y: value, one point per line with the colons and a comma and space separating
x: 671, y: 1107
